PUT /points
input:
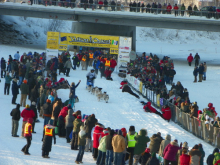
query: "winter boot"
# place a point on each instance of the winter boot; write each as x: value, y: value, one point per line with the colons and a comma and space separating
x: 204, y: 78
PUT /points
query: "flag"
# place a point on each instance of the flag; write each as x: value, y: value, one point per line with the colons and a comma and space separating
x: 63, y: 38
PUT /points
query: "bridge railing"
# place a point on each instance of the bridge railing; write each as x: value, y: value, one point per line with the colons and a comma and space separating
x: 196, y: 126
x: 119, y: 7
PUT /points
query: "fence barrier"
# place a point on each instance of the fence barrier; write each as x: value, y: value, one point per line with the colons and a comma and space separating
x: 198, y: 128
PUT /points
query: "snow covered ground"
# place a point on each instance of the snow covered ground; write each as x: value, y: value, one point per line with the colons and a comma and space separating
x: 122, y: 110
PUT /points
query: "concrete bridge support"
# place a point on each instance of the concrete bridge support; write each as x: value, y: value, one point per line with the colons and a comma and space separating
x: 105, y: 29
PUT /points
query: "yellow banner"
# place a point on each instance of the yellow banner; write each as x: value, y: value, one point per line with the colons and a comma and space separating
x: 140, y: 87
x: 52, y: 40
x: 113, y: 51
x: 158, y: 99
x: 89, y: 40
x: 63, y: 47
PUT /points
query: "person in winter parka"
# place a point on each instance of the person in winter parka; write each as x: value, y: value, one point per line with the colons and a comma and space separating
x: 68, y: 66
x: 211, y: 157
x: 163, y: 144
x: 154, y: 143
x: 28, y: 136
x: 184, y: 158
x: 91, y: 76
x: 141, y: 142
x: 81, y: 143
x: 153, y: 160
x: 73, y: 92
x: 48, y: 134
x: 195, y: 155
x: 202, y: 152
x: 101, y: 151
x: 15, y: 113
x: 170, y: 152
x: 195, y: 73
x: 69, y: 124
x: 166, y: 113
x: 216, y: 157
x: 190, y: 59
x: 15, y: 91
x: 96, y: 135
x: 76, y: 128
x: 179, y: 152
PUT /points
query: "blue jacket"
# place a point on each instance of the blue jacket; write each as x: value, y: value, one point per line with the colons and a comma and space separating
x: 195, y: 72
x: 96, y: 64
x: 96, y: 54
x: 8, y: 79
x: 73, y: 90
x: 14, y: 88
x: 201, y: 69
x: 17, y: 56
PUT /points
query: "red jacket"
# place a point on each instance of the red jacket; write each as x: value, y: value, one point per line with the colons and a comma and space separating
x: 190, y: 58
x: 113, y: 63
x: 63, y: 112
x: 184, y: 159
x: 108, y: 73
x: 148, y: 105
x: 79, y: 56
x: 103, y: 60
x: 96, y: 135
x: 176, y: 8
x: 29, y: 130
x: 166, y: 113
x: 27, y: 113
x: 101, y: 3
x: 169, y: 7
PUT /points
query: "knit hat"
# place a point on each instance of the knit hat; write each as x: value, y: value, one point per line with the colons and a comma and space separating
x: 132, y: 128
x: 25, y: 81
x: 33, y: 103
x: 147, y: 150
x: 48, y: 101
x: 27, y: 106
x: 124, y: 132
x: 79, y: 117
x: 185, y: 145
x: 176, y: 140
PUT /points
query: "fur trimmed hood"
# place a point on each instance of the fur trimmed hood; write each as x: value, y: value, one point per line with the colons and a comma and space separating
x: 174, y: 143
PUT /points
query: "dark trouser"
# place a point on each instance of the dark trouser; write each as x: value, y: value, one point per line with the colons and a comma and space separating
x: 33, y: 125
x: 7, y: 87
x: 200, y: 77
x: 182, y: 13
x: 46, y: 120
x: 62, y: 130
x: 55, y: 122
x: 15, y: 124
x: 14, y: 97
x: 74, y: 144
x: 25, y: 149
x: 189, y: 63
x: 2, y: 71
x: 80, y: 154
x: 109, y: 78
x: 196, y: 62
x: 195, y: 78
x: 74, y: 66
x: 166, y: 162
x: 131, y: 155
x: 95, y: 153
x: 118, y: 158
x: 101, y: 158
x: 45, y: 153
x: 109, y: 157
x: 176, y: 13
x: 134, y: 94
x: 96, y: 71
x: 158, y: 113
x: 67, y: 71
x: 68, y: 131
x: 171, y: 80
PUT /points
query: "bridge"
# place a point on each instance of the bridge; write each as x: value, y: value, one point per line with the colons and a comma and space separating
x: 99, y: 21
